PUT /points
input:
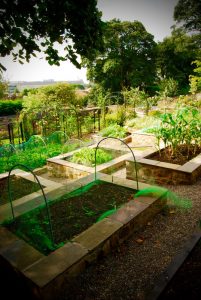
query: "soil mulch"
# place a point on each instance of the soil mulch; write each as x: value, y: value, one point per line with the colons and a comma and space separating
x: 19, y: 187
x: 180, y: 157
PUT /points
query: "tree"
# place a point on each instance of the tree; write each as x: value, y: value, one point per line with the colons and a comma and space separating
x: 40, y: 25
x: 128, y: 59
x: 175, y: 56
x: 3, y: 87
x: 189, y: 12
x: 55, y: 96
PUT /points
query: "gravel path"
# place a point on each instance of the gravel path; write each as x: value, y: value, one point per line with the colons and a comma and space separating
x: 131, y: 270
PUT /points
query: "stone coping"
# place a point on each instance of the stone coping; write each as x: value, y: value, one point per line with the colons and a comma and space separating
x: 45, y: 275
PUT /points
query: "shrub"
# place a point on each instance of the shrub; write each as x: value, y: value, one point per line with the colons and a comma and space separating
x: 169, y: 87
x: 10, y: 107
x: 111, y: 118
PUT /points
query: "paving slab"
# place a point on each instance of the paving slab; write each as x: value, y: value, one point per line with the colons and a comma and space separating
x: 51, y: 266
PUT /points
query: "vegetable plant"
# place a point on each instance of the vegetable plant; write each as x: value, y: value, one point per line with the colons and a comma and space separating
x: 86, y: 156
x: 180, y: 129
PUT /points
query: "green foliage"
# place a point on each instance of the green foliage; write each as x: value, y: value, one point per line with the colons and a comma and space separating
x: 168, y: 87
x: 10, y: 107
x: 154, y: 113
x: 133, y: 96
x: 183, y: 127
x: 136, y: 97
x: 113, y: 131
x: 121, y: 115
x: 40, y: 26
x: 195, y: 80
x: 52, y: 96
x: 189, y: 13
x: 128, y: 59
x: 3, y: 87
x: 188, y: 100
x: 48, y: 109
x: 34, y: 155
x: 175, y: 56
x: 143, y: 122
x: 86, y: 156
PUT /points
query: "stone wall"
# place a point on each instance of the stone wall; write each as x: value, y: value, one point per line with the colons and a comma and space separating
x: 63, y: 171
x: 155, y: 174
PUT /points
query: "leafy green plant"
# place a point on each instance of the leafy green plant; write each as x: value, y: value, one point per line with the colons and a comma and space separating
x: 195, y: 80
x: 33, y: 157
x: 113, y: 131
x: 86, y: 156
x: 181, y: 128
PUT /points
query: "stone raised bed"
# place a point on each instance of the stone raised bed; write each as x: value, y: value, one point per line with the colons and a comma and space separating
x: 43, y: 276
x: 153, y: 171
x: 59, y: 166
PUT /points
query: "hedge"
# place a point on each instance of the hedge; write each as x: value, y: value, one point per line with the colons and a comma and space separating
x: 10, y: 107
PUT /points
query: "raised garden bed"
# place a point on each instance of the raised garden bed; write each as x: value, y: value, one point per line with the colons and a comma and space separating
x: 153, y: 168
x: 71, y: 214
x: 62, y: 166
x: 44, y: 275
x: 182, y: 278
x: 179, y: 161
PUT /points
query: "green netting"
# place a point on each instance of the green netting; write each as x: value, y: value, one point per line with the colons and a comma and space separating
x: 7, y: 150
x: 174, y: 199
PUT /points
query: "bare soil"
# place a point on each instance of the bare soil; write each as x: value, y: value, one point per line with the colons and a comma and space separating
x: 72, y: 213
x: 180, y: 156
x: 19, y: 187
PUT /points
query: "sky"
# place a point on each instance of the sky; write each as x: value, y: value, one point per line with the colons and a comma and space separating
x: 155, y: 15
